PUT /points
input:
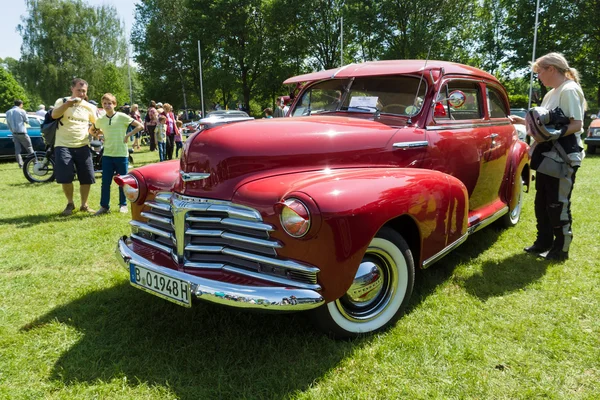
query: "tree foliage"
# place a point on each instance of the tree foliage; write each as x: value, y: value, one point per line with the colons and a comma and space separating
x: 63, y: 39
x: 249, y: 47
x: 10, y: 90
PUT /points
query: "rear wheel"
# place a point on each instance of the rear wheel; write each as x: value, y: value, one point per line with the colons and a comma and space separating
x: 513, y: 216
x: 38, y: 168
x: 381, y: 289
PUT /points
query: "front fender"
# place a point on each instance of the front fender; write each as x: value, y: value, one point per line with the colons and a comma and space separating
x: 348, y: 207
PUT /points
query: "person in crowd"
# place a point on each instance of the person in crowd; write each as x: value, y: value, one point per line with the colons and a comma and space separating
x: 161, y: 137
x: 561, y: 158
x: 115, y: 159
x: 278, y: 112
x: 16, y: 118
x: 268, y: 112
x: 280, y: 109
x: 135, y: 114
x: 159, y: 108
x: 150, y: 122
x: 178, y: 138
x: 71, y: 147
x: 41, y: 111
x: 171, y: 130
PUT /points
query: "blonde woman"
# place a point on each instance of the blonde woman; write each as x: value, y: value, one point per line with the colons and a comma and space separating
x: 553, y: 190
x: 115, y: 159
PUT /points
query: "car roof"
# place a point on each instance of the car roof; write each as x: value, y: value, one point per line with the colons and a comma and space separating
x: 390, y: 67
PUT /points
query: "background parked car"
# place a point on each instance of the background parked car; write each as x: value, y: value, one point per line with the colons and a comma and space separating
x: 593, y: 135
x: 7, y: 146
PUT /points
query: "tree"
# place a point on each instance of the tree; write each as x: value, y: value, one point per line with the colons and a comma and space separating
x: 10, y: 90
x: 63, y: 39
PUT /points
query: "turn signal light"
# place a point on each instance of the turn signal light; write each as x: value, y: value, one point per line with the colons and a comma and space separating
x: 295, y: 218
x: 130, y: 186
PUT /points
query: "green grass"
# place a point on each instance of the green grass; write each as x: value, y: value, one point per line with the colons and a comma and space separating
x: 486, y: 322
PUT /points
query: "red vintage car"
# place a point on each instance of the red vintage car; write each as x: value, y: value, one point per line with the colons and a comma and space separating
x: 382, y: 167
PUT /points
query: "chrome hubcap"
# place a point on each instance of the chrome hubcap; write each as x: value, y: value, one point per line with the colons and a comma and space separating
x: 367, y: 284
x: 372, y: 289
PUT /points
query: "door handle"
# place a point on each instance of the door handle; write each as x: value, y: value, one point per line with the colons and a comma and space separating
x: 493, y: 136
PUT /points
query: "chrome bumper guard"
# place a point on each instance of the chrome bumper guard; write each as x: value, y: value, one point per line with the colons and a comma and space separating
x: 240, y: 296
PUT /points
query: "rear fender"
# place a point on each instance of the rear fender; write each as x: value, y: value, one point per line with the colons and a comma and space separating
x: 517, y: 173
x: 348, y: 207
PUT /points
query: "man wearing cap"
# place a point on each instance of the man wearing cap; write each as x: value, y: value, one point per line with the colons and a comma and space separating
x: 16, y: 118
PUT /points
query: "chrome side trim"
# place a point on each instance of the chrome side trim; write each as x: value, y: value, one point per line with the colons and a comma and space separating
x: 464, y: 126
x: 483, y: 223
x: 278, y: 298
x: 445, y: 250
x: 193, y: 176
x: 410, y: 145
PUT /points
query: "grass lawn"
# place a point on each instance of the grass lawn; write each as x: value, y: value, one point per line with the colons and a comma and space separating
x: 486, y: 322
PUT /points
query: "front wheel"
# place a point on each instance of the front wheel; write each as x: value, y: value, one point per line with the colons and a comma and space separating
x: 38, y: 168
x: 381, y: 289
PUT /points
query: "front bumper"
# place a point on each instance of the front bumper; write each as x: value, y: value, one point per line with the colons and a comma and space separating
x: 240, y: 296
x: 593, y: 140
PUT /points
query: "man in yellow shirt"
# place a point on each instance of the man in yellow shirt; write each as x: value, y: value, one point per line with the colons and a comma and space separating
x: 71, y: 149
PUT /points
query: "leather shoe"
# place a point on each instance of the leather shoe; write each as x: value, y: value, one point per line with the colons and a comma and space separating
x: 556, y: 255
x: 536, y: 248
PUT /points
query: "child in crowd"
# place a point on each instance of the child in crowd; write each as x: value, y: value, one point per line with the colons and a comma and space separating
x: 178, y: 142
x: 161, y: 137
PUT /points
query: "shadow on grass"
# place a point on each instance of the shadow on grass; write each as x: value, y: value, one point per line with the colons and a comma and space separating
x: 27, y: 221
x: 496, y: 278
x: 505, y: 276
x: 216, y: 352
x: 203, y: 352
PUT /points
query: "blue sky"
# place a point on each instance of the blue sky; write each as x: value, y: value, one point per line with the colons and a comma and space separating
x: 12, y: 10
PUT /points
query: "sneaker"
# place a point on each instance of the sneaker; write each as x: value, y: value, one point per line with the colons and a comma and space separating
x: 68, y: 210
x: 102, y: 210
x: 123, y: 209
x: 87, y: 209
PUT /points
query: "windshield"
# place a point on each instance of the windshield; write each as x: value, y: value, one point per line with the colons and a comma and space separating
x: 383, y: 94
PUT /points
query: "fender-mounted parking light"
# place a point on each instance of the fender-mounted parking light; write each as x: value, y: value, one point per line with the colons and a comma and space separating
x: 295, y: 218
x: 130, y: 186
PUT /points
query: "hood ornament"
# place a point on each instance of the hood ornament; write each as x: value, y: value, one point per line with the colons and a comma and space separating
x: 193, y: 176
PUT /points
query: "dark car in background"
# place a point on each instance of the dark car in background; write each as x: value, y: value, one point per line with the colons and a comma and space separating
x: 592, y: 139
x: 7, y: 146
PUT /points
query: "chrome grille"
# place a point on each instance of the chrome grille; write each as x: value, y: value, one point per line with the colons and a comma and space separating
x: 207, y: 234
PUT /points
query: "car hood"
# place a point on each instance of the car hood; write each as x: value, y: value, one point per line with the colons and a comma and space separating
x: 237, y: 153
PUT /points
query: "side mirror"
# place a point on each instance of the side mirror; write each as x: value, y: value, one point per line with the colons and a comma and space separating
x: 456, y: 99
x: 593, y: 116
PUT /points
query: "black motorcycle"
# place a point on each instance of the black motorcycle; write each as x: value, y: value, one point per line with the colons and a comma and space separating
x: 39, y: 166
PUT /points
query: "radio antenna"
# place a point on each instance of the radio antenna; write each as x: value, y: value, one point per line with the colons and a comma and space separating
x: 419, y: 87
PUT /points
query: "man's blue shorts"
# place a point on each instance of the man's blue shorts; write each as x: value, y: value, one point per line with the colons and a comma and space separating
x: 67, y: 160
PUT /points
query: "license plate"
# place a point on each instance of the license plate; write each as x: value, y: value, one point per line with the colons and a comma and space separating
x: 161, y: 285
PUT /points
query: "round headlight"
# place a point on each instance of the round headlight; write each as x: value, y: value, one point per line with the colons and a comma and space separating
x: 295, y: 218
x: 130, y: 186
